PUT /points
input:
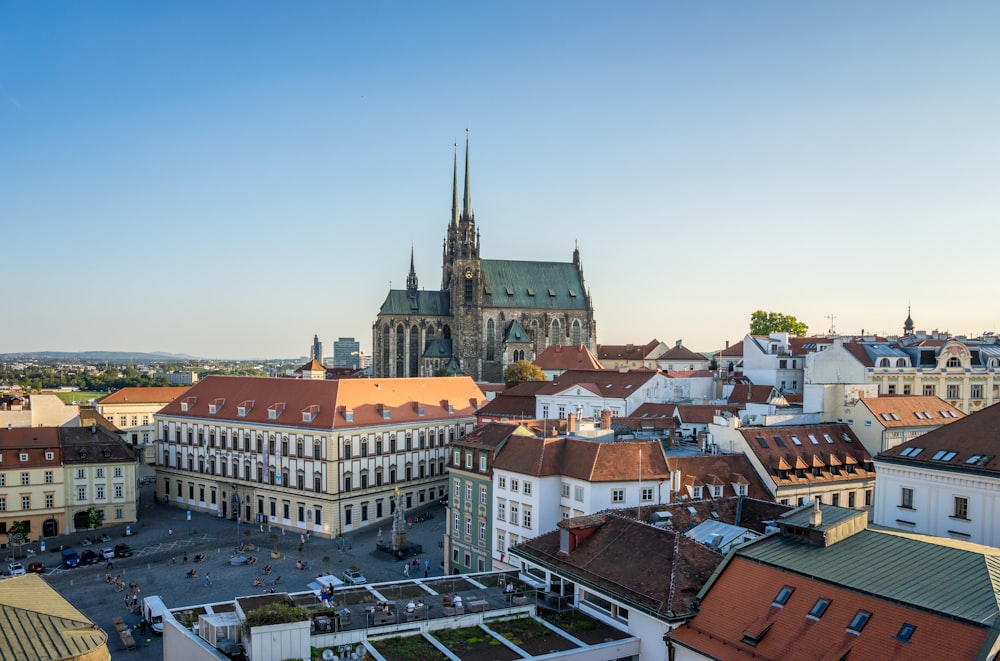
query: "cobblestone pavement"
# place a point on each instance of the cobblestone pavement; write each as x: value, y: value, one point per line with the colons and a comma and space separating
x: 163, y: 535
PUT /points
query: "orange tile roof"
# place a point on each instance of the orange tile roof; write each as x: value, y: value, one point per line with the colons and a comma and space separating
x: 975, y: 436
x: 901, y: 411
x: 720, y: 629
x: 558, y: 357
x: 606, y: 383
x: 404, y: 400
x: 155, y: 395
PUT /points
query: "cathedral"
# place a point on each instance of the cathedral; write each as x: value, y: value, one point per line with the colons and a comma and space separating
x: 488, y: 313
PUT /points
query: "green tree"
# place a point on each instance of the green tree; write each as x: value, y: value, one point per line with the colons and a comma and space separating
x: 522, y: 371
x: 765, y: 323
x: 95, y: 517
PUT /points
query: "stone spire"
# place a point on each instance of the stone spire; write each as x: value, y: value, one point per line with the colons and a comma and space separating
x: 411, y: 279
x: 467, y: 214
x: 454, y: 190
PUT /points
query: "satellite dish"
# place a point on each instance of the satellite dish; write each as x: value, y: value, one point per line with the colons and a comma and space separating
x: 328, y: 655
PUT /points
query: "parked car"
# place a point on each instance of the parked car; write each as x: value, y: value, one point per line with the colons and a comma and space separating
x: 15, y: 569
x: 122, y: 551
x: 70, y: 558
x: 37, y: 567
x: 107, y: 553
x: 89, y: 557
x: 354, y: 577
x: 443, y: 500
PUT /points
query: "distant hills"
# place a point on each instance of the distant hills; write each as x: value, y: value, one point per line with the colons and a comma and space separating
x: 99, y: 356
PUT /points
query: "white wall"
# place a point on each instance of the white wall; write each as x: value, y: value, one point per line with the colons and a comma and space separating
x: 934, y: 493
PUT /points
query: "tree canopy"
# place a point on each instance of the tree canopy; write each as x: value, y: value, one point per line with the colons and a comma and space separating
x: 522, y: 371
x: 765, y: 323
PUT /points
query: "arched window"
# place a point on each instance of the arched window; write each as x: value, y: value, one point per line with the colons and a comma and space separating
x: 555, y: 335
x: 577, y: 333
x: 884, y: 362
x: 400, y: 351
x: 491, y: 340
x: 386, y: 338
x: 414, y: 352
x: 901, y: 362
x: 954, y: 362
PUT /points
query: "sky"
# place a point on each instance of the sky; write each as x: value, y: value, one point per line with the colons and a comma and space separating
x: 227, y: 179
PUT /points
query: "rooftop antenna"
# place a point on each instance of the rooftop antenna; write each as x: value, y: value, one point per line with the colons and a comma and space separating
x: 831, y: 317
x: 638, y: 507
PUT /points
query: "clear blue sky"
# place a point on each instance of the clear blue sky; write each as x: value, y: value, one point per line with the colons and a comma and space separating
x: 227, y: 179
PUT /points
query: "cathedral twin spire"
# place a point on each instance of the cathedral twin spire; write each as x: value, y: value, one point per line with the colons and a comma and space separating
x: 467, y: 215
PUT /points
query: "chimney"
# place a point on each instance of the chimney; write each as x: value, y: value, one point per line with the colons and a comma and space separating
x: 816, y: 517
x: 727, y: 344
x: 679, y: 343
x: 606, y: 419
x: 571, y: 423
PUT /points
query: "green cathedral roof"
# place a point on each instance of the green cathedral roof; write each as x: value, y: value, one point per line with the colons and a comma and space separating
x: 532, y: 285
x: 423, y: 304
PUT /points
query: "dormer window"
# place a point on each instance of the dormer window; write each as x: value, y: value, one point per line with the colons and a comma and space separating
x: 244, y: 408
x: 187, y: 404
x: 309, y: 413
x: 215, y: 405
x: 274, y: 410
x: 23, y: 456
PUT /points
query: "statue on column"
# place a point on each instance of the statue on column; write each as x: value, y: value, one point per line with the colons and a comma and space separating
x: 398, y: 523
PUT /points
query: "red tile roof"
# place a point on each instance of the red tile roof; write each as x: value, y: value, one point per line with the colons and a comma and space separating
x: 155, y: 395
x: 975, y: 440
x: 558, y: 357
x: 593, y: 461
x: 681, y: 352
x: 820, y: 446
x: 606, y: 383
x: 626, y: 351
x: 517, y: 402
x: 724, y: 469
x: 723, y: 631
x: 404, y: 400
x: 701, y: 414
x: 751, y: 394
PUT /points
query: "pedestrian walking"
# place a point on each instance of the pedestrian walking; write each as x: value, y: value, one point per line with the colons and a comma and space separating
x: 170, y: 532
x: 406, y: 570
x: 427, y: 571
x: 208, y: 579
x: 185, y: 556
x: 427, y: 566
x: 110, y: 564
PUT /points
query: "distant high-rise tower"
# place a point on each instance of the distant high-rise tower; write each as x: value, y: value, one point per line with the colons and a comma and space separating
x: 347, y: 353
x: 316, y: 352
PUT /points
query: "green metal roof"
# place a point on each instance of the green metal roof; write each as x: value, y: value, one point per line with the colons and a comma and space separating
x: 532, y: 285
x: 957, y: 579
x: 439, y: 347
x: 515, y: 333
x: 424, y: 304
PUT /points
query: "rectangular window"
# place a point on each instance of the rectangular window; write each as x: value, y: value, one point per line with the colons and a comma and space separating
x: 482, y: 463
x: 526, y: 488
x: 468, y: 491
x: 782, y: 597
x: 100, y: 493
x: 953, y: 391
x: 119, y: 492
x: 858, y: 622
x: 501, y: 511
x: 25, y: 479
x: 49, y: 501
x: 3, y: 503
x: 458, y: 490
x: 514, y: 518
x: 482, y: 495
x: 514, y: 485
x: 25, y: 502
x: 647, y: 494
x: 961, y: 508
x: 578, y: 494
x: 348, y: 515
x: 929, y: 390
x: 468, y: 460
x: 618, y: 495
x: 501, y: 482
x: 482, y: 532
x: 468, y: 526
x: 851, y: 499
x: 976, y: 391
x: 3, y: 480
x: 81, y: 493
x: 501, y: 543
x: 565, y: 490
x: 527, y: 518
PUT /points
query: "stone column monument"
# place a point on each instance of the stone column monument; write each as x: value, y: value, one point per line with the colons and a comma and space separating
x: 398, y: 524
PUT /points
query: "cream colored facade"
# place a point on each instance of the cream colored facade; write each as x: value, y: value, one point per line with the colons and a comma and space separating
x: 131, y: 410
x: 302, y: 457
x: 32, y: 483
x: 41, y: 410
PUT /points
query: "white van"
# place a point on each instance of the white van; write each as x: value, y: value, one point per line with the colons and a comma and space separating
x: 153, y: 610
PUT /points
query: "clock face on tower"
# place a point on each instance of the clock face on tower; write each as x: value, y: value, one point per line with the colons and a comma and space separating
x: 468, y: 274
